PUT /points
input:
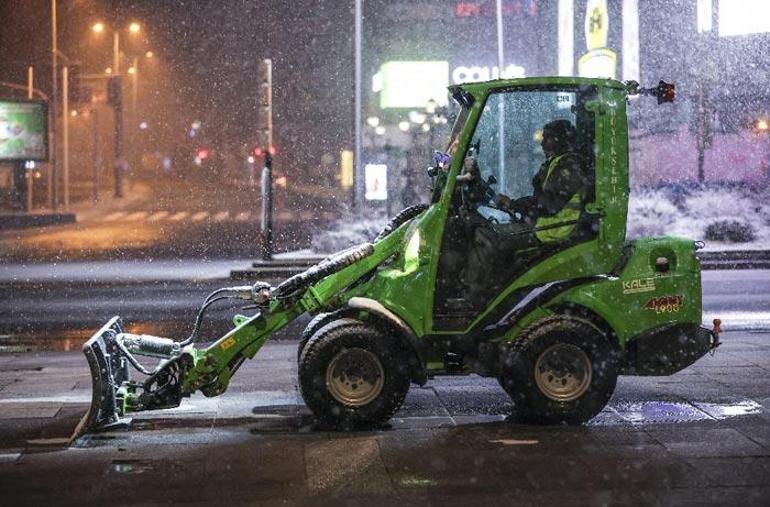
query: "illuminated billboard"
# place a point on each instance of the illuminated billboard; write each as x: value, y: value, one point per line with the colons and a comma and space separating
x: 23, y: 130
x: 412, y: 84
x: 376, y: 178
x: 744, y: 17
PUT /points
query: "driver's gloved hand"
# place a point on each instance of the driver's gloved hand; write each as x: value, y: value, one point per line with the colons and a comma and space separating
x: 522, y: 205
x: 502, y: 201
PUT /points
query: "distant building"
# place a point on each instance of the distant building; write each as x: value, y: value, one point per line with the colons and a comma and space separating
x: 712, y: 50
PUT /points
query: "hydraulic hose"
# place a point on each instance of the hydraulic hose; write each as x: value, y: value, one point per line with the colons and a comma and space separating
x: 403, y: 216
x: 323, y: 269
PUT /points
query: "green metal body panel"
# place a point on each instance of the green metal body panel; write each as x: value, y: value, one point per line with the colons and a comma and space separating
x: 641, y: 298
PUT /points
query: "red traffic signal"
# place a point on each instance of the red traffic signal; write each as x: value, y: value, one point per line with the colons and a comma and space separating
x: 259, y: 151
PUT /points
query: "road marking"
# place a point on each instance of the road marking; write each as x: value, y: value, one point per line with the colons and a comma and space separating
x: 243, y: 216
x: 284, y: 215
x: 137, y: 215
x: 199, y: 216
x: 158, y: 215
x: 114, y: 216
x: 221, y: 216
x: 181, y: 215
x: 510, y: 441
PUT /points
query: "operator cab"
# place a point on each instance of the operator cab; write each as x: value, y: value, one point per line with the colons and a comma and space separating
x: 527, y: 178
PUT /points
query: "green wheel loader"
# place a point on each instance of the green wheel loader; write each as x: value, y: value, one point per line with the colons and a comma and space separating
x: 518, y: 269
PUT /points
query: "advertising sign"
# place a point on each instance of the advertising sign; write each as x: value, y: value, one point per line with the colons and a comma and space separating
x: 23, y: 130
x: 412, y: 84
x: 376, y: 176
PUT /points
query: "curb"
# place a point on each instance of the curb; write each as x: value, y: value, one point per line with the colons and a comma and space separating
x: 710, y: 260
x: 29, y: 220
x: 735, y: 259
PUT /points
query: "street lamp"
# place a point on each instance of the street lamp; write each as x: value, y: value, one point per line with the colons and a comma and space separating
x: 100, y: 27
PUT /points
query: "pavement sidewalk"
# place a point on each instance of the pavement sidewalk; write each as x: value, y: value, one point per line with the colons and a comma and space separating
x: 698, y: 437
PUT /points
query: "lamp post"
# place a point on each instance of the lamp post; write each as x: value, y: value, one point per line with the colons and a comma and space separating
x: 117, y: 105
x: 52, y: 113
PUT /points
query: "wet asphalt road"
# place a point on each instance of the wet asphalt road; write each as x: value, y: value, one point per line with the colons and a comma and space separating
x: 54, y: 316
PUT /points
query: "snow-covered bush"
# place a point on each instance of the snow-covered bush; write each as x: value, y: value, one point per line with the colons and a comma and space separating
x: 731, y: 231
x: 650, y: 214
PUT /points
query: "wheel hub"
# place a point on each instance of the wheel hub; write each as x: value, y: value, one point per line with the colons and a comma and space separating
x: 355, y: 377
x: 563, y: 372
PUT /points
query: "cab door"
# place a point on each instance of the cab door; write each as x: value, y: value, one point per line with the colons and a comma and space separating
x: 486, y: 247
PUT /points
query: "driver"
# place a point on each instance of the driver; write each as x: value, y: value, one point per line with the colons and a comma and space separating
x: 559, y: 190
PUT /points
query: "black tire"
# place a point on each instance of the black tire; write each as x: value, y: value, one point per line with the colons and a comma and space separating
x: 314, y: 325
x: 346, y: 354
x: 563, y: 370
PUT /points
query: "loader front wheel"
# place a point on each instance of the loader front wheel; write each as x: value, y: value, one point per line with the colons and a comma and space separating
x: 563, y: 370
x: 353, y: 375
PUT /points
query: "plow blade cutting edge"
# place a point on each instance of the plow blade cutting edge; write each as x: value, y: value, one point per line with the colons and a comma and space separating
x: 109, y: 369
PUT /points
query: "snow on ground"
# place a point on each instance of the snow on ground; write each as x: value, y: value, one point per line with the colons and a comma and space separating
x: 670, y: 210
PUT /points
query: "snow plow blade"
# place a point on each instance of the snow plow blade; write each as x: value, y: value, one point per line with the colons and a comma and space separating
x: 108, y: 372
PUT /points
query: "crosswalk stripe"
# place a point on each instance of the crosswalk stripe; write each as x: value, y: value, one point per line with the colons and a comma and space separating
x: 199, y: 216
x: 158, y: 215
x: 221, y: 216
x: 243, y: 216
x: 114, y: 216
x: 181, y: 215
x: 283, y: 215
x: 137, y: 215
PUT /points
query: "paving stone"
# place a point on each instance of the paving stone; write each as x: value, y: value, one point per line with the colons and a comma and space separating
x: 707, y: 442
x: 753, y: 471
x: 28, y: 410
x: 340, y: 466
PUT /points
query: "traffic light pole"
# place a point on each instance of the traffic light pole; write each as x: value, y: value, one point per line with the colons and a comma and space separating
x: 267, y: 171
x: 267, y: 208
x: 118, y: 108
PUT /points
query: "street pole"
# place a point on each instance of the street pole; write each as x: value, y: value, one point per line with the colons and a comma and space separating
x: 30, y: 90
x: 267, y: 171
x: 116, y: 52
x: 135, y: 85
x: 118, y: 108
x: 97, y: 153
x: 52, y: 179
x: 358, y: 180
x: 702, y: 133
x: 66, y: 136
x: 501, y: 104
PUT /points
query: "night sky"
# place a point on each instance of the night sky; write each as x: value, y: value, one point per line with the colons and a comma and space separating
x: 208, y: 53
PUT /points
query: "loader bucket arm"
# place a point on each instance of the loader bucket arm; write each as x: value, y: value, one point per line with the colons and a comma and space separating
x: 183, y: 369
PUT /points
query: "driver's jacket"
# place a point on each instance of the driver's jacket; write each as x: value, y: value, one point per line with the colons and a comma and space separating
x: 560, y: 188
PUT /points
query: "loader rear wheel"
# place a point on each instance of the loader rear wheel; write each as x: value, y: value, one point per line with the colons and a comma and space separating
x: 563, y: 370
x: 353, y: 375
